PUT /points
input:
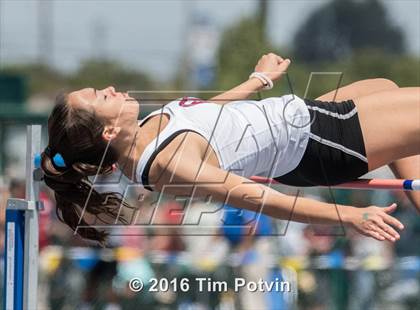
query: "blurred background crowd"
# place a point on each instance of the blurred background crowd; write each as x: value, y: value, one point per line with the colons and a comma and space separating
x: 162, y: 50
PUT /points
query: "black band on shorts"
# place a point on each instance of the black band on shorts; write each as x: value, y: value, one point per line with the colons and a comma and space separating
x: 336, y: 151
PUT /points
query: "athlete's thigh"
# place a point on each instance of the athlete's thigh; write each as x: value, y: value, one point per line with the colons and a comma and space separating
x: 390, y: 124
x: 358, y: 89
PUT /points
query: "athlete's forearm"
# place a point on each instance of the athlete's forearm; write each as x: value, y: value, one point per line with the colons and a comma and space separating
x: 285, y: 207
x: 304, y: 210
x: 272, y: 66
x: 240, y: 92
x: 371, y: 221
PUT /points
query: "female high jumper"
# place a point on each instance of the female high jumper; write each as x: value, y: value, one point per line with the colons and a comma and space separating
x: 210, y: 148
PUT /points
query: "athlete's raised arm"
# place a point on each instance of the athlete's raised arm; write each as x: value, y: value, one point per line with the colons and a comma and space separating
x: 271, y: 65
x: 240, y: 192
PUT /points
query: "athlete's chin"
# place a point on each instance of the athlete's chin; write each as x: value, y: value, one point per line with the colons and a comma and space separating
x: 131, y: 104
x: 136, y: 110
x: 129, y: 99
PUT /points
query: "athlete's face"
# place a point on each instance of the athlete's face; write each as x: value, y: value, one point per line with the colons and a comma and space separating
x: 110, y: 106
x: 116, y: 110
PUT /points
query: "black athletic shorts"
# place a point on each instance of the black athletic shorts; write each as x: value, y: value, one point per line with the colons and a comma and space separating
x: 336, y: 152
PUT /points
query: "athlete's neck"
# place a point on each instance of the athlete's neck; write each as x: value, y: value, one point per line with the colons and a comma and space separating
x: 133, y: 150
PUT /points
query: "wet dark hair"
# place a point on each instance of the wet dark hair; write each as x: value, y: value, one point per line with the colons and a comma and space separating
x: 76, y: 135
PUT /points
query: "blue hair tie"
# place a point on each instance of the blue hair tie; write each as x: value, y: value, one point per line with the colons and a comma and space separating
x: 37, y: 161
x: 59, y: 160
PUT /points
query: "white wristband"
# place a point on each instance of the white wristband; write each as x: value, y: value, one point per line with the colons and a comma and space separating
x: 268, y: 83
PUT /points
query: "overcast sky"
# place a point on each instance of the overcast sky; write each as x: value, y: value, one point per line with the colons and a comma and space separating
x: 146, y: 34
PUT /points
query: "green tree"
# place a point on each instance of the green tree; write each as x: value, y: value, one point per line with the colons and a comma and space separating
x: 44, y: 80
x: 41, y: 79
x: 341, y: 26
x: 103, y: 73
x: 240, y: 48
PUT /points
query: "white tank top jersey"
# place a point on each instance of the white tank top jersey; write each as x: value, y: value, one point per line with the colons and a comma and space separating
x: 263, y: 138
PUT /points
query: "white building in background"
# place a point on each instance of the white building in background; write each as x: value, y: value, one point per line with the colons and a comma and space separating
x: 202, y: 45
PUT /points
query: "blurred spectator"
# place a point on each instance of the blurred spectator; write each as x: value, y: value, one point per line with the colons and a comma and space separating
x: 46, y: 217
x: 17, y: 188
x: 166, y: 228
x: 248, y: 234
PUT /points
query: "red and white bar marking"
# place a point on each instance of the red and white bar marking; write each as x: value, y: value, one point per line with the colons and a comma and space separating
x: 384, y: 184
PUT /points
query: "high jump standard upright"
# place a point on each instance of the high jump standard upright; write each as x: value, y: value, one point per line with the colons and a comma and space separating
x: 22, y: 231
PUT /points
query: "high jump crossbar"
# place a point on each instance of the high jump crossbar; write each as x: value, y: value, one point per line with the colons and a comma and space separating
x: 22, y: 230
x: 364, y: 184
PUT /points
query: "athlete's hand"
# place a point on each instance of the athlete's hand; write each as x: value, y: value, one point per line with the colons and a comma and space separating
x: 272, y: 65
x: 376, y: 222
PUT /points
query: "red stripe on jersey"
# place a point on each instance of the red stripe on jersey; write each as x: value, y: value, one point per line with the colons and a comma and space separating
x: 190, y: 101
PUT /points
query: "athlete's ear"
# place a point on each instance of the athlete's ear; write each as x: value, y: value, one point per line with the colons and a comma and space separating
x: 110, y: 132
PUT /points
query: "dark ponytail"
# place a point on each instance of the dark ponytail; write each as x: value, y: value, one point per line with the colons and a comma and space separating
x: 75, y: 135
